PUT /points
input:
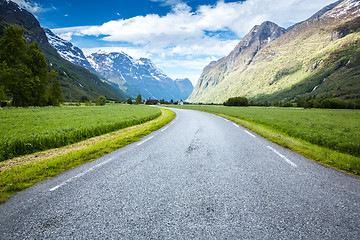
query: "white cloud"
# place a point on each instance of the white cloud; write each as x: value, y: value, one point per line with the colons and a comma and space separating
x: 31, y: 6
x: 182, y: 24
x: 131, y: 51
x: 180, y: 37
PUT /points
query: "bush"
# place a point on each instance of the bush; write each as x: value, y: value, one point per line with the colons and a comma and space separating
x: 237, y: 101
x: 88, y: 103
x: 100, y: 101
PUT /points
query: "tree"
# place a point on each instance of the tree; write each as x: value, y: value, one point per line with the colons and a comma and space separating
x: 100, y: 101
x: 23, y: 71
x: 55, y: 93
x: 237, y: 101
x: 84, y: 99
x: 138, y: 99
x: 129, y: 100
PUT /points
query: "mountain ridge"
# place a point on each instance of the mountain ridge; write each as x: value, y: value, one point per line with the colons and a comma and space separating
x: 294, y: 64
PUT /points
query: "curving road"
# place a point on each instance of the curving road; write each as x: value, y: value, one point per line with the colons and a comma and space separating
x: 200, y: 177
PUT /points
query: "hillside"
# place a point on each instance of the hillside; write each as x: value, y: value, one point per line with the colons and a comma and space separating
x: 75, y: 81
x: 316, y: 58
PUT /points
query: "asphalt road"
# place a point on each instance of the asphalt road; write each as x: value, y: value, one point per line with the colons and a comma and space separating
x: 200, y: 177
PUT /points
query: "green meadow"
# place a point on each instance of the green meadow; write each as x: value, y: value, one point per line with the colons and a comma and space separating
x: 28, y: 130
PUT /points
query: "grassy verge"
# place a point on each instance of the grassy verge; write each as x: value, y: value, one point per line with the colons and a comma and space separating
x: 23, y: 172
x: 301, y: 136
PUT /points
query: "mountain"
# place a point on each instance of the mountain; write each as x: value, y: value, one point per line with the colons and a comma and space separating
x: 130, y: 76
x: 67, y: 50
x: 316, y: 58
x: 138, y: 76
x: 185, y: 88
x: 75, y: 81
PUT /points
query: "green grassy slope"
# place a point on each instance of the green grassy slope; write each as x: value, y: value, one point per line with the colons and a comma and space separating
x: 310, y: 55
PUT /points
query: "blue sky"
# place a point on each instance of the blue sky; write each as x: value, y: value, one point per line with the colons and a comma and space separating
x: 180, y: 36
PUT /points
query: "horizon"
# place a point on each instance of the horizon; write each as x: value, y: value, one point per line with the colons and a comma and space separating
x: 180, y: 37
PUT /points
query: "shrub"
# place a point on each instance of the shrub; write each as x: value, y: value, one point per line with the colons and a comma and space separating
x: 237, y: 101
x: 100, y: 101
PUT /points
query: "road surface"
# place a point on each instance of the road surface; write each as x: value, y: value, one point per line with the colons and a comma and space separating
x: 200, y: 177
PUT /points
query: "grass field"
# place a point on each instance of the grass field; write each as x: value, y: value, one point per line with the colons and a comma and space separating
x: 336, y: 130
x: 28, y: 130
x: 22, y: 172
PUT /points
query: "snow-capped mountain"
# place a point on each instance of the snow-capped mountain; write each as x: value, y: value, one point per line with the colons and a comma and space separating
x: 138, y: 76
x: 132, y: 76
x: 67, y: 50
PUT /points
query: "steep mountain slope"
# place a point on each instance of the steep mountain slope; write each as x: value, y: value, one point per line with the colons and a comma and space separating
x: 138, y: 76
x: 67, y: 50
x: 75, y: 81
x: 318, y: 57
x: 185, y: 88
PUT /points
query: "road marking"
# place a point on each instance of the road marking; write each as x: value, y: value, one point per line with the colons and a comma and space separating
x: 164, y: 128
x: 250, y: 133
x: 145, y: 140
x: 282, y: 156
x: 235, y: 124
x: 174, y: 120
x: 80, y: 174
x: 226, y: 120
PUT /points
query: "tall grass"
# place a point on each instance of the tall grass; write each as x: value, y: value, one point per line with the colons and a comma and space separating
x: 28, y: 130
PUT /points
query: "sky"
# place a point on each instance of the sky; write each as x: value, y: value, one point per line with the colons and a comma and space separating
x: 180, y: 36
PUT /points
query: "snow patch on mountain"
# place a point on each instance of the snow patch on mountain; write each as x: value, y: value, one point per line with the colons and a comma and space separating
x: 342, y: 9
x: 67, y: 50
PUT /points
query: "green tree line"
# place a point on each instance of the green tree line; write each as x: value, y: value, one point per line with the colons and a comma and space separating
x: 24, y: 76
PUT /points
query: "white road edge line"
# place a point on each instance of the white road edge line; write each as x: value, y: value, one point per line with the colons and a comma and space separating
x: 235, y: 125
x: 282, y: 156
x: 80, y: 174
x: 250, y: 133
x: 173, y: 121
x: 164, y: 128
x: 145, y: 140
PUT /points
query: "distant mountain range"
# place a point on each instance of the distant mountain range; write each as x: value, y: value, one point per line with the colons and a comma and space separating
x: 319, y: 57
x: 139, y: 76
x: 131, y: 76
x: 75, y: 81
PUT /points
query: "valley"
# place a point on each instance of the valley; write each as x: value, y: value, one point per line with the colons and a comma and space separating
x: 80, y: 158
